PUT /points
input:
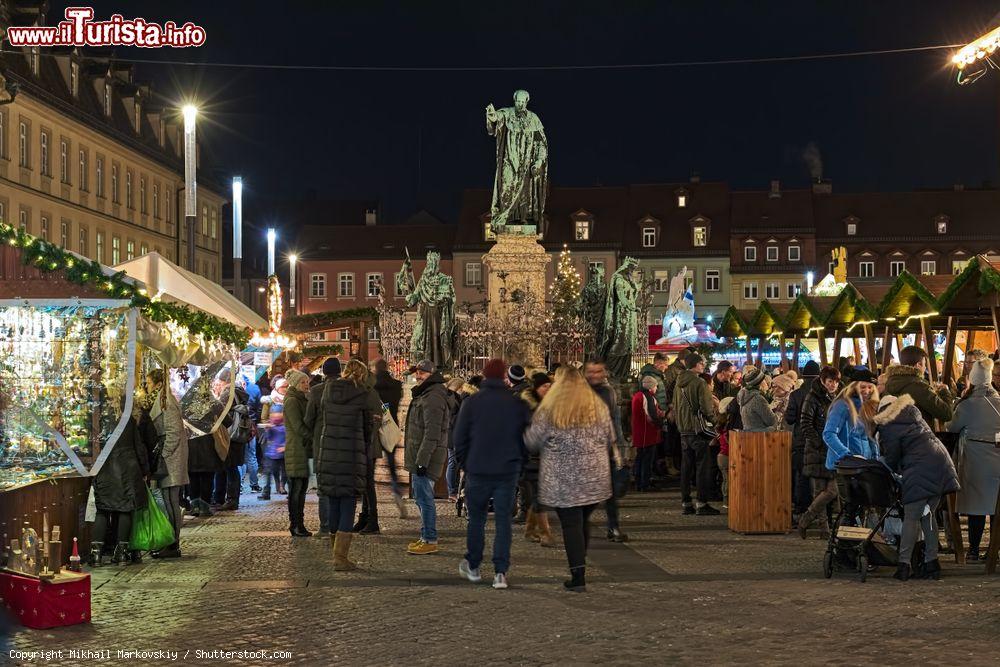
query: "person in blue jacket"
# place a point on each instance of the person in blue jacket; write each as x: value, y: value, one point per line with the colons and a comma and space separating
x: 849, y: 425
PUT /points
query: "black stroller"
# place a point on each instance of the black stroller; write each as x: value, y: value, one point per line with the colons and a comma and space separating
x: 869, y: 496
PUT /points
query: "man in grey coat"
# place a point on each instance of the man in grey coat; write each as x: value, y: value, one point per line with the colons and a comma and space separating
x: 426, y: 448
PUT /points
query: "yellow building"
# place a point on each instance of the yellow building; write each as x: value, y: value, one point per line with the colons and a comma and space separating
x: 89, y: 162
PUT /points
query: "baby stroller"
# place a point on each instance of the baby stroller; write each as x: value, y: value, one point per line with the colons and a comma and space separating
x: 869, y: 499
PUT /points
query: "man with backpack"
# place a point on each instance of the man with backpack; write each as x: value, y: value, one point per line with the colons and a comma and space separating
x: 693, y: 411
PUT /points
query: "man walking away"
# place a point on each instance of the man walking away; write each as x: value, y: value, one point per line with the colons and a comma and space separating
x: 596, y: 372
x: 489, y: 446
x: 692, y: 406
x: 426, y: 441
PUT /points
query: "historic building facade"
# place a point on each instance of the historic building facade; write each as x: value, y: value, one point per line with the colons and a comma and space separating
x: 90, y: 162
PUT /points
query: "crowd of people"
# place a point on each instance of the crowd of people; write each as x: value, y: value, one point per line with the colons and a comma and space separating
x: 521, y: 445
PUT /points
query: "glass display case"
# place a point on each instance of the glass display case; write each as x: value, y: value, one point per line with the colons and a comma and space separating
x: 205, y: 393
x: 66, y: 384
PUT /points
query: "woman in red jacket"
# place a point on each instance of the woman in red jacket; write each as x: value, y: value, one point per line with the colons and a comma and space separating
x: 647, y: 431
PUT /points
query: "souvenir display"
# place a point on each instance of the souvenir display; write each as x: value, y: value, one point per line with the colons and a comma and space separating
x: 205, y: 394
x: 63, y: 373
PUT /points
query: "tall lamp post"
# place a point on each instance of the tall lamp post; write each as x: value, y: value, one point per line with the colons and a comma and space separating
x: 238, y: 237
x: 292, y: 263
x: 271, y: 236
x: 190, y: 113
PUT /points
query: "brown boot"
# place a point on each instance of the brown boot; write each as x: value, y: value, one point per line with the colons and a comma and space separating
x: 531, y: 526
x: 341, y: 546
x: 544, y: 532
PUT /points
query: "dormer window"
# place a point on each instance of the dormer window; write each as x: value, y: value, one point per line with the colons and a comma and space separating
x: 107, y: 99
x: 852, y: 228
x: 582, y: 230
x: 649, y: 237
x: 138, y: 116
x: 74, y: 78
x: 682, y: 198
x: 941, y: 224
x: 772, y: 253
x: 750, y: 253
x: 851, y: 225
x: 700, y: 236
x: 34, y: 60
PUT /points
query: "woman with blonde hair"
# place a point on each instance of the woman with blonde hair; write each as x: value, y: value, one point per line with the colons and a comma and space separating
x: 573, y: 434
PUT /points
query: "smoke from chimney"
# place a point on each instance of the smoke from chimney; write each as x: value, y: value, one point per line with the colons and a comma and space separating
x: 814, y: 160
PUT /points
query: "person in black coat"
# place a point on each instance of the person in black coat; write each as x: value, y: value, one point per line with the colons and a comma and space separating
x: 227, y: 481
x: 342, y: 458
x: 801, y: 491
x: 119, y: 490
x: 910, y: 448
x: 813, y: 419
x: 390, y: 392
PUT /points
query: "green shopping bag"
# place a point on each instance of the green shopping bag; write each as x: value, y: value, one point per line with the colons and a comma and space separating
x: 151, y: 529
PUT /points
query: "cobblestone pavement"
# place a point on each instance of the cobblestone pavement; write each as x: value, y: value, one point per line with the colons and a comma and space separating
x: 685, y: 590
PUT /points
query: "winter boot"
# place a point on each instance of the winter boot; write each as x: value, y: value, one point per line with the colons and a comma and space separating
x: 94, y: 557
x: 932, y: 570
x: 903, y: 572
x: 578, y: 582
x: 121, y: 554
x: 360, y: 523
x: 804, y: 522
x: 544, y: 532
x: 531, y: 527
x: 341, y: 547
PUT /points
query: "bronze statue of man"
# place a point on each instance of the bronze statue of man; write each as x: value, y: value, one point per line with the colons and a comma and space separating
x: 434, y: 296
x: 521, y: 182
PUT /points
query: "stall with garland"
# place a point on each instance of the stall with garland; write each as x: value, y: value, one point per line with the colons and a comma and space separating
x: 75, y: 338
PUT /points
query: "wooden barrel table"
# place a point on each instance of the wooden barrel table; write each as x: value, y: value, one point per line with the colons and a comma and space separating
x: 760, y: 482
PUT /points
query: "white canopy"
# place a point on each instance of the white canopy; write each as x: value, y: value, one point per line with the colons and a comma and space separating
x: 166, y: 281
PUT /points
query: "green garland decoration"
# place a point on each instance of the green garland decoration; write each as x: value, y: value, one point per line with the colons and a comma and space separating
x: 88, y: 273
x: 331, y: 317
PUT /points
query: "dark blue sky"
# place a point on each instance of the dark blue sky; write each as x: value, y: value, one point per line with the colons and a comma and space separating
x: 883, y: 122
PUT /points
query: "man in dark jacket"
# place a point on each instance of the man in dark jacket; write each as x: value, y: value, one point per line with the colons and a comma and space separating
x: 672, y: 441
x: 801, y: 491
x: 390, y: 392
x: 692, y: 403
x: 596, y: 372
x: 314, y: 420
x: 426, y: 449
x: 517, y: 379
x: 489, y: 445
x: 722, y: 380
x: 908, y: 378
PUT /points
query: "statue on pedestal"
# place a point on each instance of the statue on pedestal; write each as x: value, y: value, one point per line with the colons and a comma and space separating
x: 434, y: 295
x: 521, y: 182
x: 620, y: 325
x: 592, y: 301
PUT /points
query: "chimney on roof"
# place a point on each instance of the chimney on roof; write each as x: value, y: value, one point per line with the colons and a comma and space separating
x: 695, y: 177
x: 822, y: 186
x: 775, y: 192
x: 371, y: 217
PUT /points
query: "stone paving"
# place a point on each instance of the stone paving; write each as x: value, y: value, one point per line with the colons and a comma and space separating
x: 685, y: 590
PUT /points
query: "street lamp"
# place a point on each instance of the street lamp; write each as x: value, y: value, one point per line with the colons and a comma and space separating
x: 238, y: 237
x: 271, y: 236
x: 292, y: 260
x: 190, y: 113
x: 810, y: 276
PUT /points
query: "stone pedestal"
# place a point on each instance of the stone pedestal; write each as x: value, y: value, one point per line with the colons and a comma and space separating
x: 516, y: 267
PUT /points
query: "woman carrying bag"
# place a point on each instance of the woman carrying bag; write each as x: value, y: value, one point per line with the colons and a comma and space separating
x: 170, y: 456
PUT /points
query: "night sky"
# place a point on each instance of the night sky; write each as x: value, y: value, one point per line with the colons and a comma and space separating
x: 887, y: 122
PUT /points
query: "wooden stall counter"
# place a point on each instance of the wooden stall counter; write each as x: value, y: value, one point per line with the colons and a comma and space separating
x: 760, y: 482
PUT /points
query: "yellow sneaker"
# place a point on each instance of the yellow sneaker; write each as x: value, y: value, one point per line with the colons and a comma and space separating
x: 422, y: 549
x: 413, y: 545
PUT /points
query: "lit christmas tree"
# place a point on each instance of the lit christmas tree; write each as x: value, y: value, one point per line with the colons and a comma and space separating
x: 565, y: 289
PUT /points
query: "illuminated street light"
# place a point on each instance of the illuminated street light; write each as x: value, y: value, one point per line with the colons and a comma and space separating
x: 238, y: 237
x: 190, y: 112
x: 271, y: 236
x: 292, y: 261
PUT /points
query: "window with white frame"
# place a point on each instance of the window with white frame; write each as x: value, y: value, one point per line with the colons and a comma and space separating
x: 661, y: 281
x: 750, y: 253
x: 22, y: 144
x: 116, y: 250
x: 712, y: 280
x: 23, y: 222
x: 928, y: 267
x: 682, y: 200
x: 317, y: 285
x: 772, y: 291
x: 44, y: 230
x: 772, y: 253
x: 83, y: 248
x: 794, y: 253
x: 99, y: 250
x: 214, y: 223
x: 319, y: 335
x: 648, y: 237
x: 83, y: 170
x: 107, y: 99
x: 852, y: 228
x: 593, y: 267
x: 942, y: 226
x: 582, y: 230
x: 99, y: 166
x: 128, y: 189
x: 64, y: 161
x: 896, y: 267
x: 373, y: 332
x: 143, y: 249
x: 142, y: 195
x: 700, y: 237
x: 344, y: 334
x: 794, y: 289
x: 130, y: 250
x: 346, y: 284
x: 958, y: 265
x: 114, y: 183
x: 156, y: 200
x: 64, y: 234
x: 750, y: 291
x: 74, y: 79
x: 43, y: 153
x: 473, y: 274
x: 372, y: 283
x: 866, y: 269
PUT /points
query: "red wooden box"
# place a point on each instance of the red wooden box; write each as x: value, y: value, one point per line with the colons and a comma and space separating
x: 47, y: 604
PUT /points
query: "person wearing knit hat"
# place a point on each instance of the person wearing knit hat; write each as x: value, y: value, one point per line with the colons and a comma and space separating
x: 978, y: 414
x: 811, y: 369
x: 495, y: 369
x: 517, y: 379
x: 331, y: 368
x: 755, y: 412
x: 298, y: 450
x: 753, y: 377
x: 781, y: 389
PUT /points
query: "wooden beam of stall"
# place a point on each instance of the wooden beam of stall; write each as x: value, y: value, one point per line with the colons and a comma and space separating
x: 760, y: 351
x: 781, y: 345
x: 887, y: 339
x: 797, y: 342
x: 749, y: 352
x: 870, y: 344
x: 838, y: 341
x: 821, y: 341
x: 950, y: 340
x: 928, y: 336
x: 856, y: 344
x: 996, y: 331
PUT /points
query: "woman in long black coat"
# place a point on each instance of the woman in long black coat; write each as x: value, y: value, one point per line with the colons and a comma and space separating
x: 119, y: 490
x: 813, y: 420
x: 342, y: 455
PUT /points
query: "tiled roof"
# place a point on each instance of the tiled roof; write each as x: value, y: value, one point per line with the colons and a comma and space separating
x: 791, y: 212
x: 375, y: 241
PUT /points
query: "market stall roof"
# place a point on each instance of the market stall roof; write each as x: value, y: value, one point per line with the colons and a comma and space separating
x: 168, y: 282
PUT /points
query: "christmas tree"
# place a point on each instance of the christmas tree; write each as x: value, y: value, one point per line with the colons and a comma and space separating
x: 565, y: 289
